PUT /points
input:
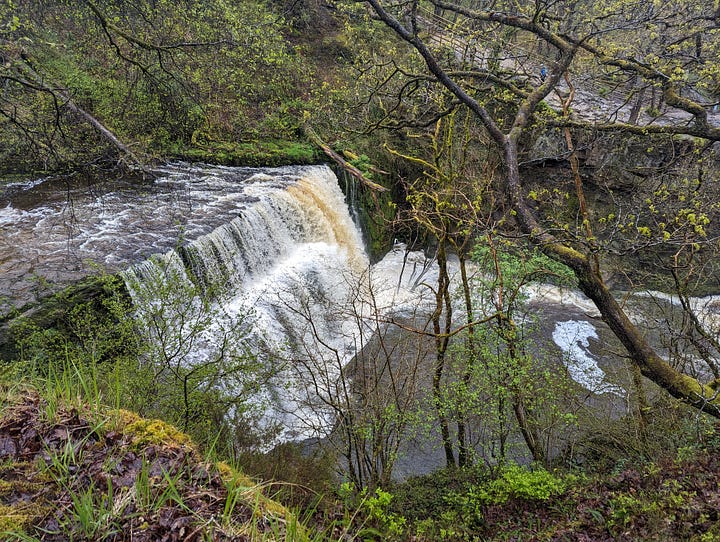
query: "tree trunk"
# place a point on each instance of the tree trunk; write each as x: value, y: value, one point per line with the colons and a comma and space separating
x: 637, y: 107
x: 591, y: 283
x: 442, y: 304
x: 470, y: 356
x: 642, y: 404
x: 508, y: 332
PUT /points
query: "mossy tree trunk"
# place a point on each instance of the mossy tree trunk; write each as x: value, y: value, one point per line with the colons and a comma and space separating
x: 506, y: 135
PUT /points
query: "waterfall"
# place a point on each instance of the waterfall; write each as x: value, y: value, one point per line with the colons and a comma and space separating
x: 282, y: 219
x: 351, y: 196
x: 274, y: 283
x: 285, y: 278
x: 268, y: 262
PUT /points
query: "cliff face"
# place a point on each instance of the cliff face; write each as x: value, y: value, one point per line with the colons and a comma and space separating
x: 650, y: 198
x: 68, y: 471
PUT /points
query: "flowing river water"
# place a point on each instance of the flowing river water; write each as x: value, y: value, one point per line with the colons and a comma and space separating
x: 276, y: 248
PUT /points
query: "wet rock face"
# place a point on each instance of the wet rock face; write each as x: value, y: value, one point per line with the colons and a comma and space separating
x: 620, y: 161
x: 639, y: 190
x: 547, y: 148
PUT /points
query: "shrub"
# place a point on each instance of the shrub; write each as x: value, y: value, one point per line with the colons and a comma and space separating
x: 513, y: 482
x: 521, y: 483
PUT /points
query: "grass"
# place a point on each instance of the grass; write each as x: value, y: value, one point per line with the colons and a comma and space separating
x: 253, y: 154
x: 72, y: 468
x: 103, y: 475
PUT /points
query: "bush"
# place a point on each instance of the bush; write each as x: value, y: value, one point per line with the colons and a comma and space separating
x: 521, y: 483
x: 513, y: 482
x: 369, y: 513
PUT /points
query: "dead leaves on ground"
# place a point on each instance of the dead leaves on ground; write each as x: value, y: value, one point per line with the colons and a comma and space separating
x: 147, y: 492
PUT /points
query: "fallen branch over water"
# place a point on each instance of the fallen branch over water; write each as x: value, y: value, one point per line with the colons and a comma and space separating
x: 30, y: 78
x: 347, y: 166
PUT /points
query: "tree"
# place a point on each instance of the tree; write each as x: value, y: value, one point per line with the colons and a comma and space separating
x: 445, y: 207
x: 513, y: 373
x: 353, y: 375
x: 194, y: 362
x: 577, y: 35
x: 106, y: 82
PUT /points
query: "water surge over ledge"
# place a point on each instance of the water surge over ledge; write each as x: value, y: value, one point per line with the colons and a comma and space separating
x: 286, y: 280
x: 275, y: 283
x: 263, y: 265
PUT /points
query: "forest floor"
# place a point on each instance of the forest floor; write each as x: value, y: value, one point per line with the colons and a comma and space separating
x: 68, y: 473
x: 669, y: 500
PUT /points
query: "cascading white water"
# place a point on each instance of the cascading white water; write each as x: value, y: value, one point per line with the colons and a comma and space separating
x: 276, y: 278
x: 276, y: 252
x: 281, y: 219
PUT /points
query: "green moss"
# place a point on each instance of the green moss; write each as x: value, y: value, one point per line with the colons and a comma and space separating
x: 16, y: 487
x: 97, y: 299
x: 234, y: 476
x: 252, y: 154
x: 23, y: 487
x: 376, y: 217
x: 16, y: 518
x: 145, y: 432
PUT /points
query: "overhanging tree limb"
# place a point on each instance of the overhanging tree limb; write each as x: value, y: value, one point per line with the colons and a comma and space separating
x: 651, y: 364
x: 39, y: 83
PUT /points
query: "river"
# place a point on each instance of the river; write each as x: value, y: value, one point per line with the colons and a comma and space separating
x: 278, y: 243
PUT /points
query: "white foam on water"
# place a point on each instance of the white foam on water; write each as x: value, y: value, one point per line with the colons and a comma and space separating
x: 573, y: 338
x: 549, y: 293
x: 400, y: 282
x: 288, y: 267
x: 13, y: 218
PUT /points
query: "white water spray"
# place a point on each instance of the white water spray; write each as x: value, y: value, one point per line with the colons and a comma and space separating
x: 280, y: 276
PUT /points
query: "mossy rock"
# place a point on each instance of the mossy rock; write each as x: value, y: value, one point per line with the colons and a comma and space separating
x: 22, y: 501
x: 146, y: 432
x: 52, y: 312
x: 252, y: 154
x: 213, y: 497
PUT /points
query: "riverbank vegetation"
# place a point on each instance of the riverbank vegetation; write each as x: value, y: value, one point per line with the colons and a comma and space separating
x: 92, y: 84
x: 74, y: 469
x: 65, y: 411
x: 531, y: 143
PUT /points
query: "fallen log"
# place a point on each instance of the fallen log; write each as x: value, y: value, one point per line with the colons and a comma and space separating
x: 347, y: 166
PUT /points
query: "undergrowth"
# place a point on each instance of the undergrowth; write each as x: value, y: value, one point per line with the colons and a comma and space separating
x: 72, y: 468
